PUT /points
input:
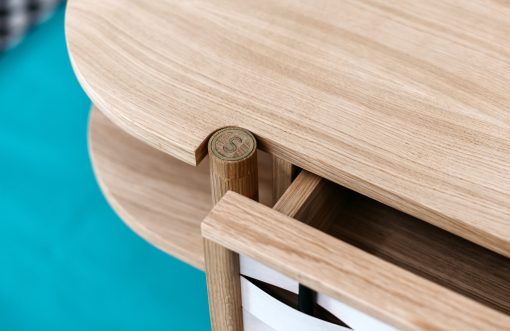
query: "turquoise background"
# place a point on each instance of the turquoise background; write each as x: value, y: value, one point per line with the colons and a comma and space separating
x: 67, y: 262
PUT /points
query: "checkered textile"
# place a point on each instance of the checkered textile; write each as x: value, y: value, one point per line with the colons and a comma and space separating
x: 16, y: 16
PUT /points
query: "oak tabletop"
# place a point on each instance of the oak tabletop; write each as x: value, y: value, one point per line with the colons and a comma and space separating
x: 407, y: 102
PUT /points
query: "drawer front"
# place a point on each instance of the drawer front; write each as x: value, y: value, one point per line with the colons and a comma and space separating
x: 357, y: 287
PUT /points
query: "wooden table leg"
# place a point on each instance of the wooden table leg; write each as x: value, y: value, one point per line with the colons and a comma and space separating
x: 233, y: 166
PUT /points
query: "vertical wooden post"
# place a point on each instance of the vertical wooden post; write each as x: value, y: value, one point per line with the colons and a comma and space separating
x: 223, y: 287
x: 283, y: 174
x: 233, y: 166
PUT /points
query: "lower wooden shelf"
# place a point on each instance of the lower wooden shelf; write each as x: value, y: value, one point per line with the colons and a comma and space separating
x: 161, y: 198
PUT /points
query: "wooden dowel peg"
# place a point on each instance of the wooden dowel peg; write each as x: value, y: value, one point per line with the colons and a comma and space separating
x: 233, y: 163
x: 233, y: 166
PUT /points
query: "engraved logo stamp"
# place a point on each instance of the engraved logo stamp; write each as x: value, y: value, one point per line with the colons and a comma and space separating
x: 232, y: 144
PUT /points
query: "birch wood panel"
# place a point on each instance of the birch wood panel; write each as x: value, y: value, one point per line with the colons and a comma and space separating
x: 406, y: 102
x: 342, y: 271
x: 161, y: 198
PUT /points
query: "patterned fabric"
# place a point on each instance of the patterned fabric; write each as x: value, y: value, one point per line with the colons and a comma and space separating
x: 17, y: 16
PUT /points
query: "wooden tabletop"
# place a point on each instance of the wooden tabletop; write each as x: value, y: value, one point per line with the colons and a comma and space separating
x: 407, y: 102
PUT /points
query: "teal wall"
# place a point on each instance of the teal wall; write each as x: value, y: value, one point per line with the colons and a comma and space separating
x: 67, y: 262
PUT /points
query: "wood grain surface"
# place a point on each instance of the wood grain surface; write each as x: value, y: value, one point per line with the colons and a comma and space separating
x: 406, y: 101
x: 159, y: 197
x: 233, y: 163
x: 283, y: 174
x: 342, y: 271
x: 130, y: 171
x: 393, y: 236
x: 303, y: 193
x: 233, y: 167
x: 423, y: 249
x: 223, y: 287
x: 312, y: 200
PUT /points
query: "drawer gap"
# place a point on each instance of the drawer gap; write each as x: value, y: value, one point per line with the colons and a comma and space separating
x: 411, y: 244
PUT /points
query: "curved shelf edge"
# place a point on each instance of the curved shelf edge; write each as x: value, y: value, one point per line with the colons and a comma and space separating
x: 159, y: 197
